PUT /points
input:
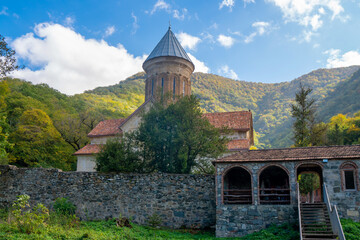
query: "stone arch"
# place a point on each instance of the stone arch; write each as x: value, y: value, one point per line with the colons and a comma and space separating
x: 274, y: 185
x: 237, y: 185
x: 315, y: 168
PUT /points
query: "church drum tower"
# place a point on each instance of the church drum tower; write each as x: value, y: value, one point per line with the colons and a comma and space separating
x: 168, y: 69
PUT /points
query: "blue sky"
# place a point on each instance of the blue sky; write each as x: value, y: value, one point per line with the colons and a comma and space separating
x: 78, y: 45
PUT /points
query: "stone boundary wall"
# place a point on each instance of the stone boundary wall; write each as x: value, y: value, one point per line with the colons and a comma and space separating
x: 180, y: 200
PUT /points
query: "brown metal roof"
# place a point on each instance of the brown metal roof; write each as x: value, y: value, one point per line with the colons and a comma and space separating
x: 293, y: 154
x: 240, y: 120
x: 89, y: 149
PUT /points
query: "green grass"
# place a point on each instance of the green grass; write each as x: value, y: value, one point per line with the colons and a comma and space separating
x: 351, y: 229
x: 108, y: 230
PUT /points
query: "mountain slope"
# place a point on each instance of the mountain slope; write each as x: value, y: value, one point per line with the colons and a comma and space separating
x: 335, y: 90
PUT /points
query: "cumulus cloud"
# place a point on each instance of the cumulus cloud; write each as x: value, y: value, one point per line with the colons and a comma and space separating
x: 308, y: 12
x: 227, y: 3
x: 199, y: 65
x: 109, y: 31
x: 188, y: 41
x: 335, y: 58
x: 66, y: 61
x: 225, y: 41
x: 228, y: 72
x: 260, y: 29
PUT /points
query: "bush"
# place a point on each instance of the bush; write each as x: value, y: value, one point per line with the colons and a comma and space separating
x: 27, y: 219
x: 63, y: 206
x: 154, y: 220
x: 351, y: 229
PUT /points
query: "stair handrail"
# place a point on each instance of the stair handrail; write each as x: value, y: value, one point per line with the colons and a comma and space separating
x: 334, y: 216
x: 299, y: 212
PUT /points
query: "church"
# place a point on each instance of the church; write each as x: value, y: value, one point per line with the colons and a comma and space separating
x: 168, y: 70
x: 252, y: 188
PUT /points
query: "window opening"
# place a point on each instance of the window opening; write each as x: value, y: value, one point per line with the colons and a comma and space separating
x: 349, y: 176
x: 237, y: 187
x: 349, y: 180
x: 183, y: 88
x: 162, y: 86
x: 174, y: 84
x: 152, y: 87
x: 274, y: 186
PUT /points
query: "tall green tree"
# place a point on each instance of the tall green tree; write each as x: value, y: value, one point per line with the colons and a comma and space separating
x: 173, y: 136
x: 7, y: 58
x: 303, y: 111
x: 37, y: 143
x: 122, y: 155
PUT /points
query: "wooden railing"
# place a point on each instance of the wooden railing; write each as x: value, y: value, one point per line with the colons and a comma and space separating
x: 237, y: 196
x: 274, y: 196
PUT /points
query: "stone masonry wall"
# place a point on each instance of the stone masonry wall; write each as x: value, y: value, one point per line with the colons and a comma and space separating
x: 180, y: 200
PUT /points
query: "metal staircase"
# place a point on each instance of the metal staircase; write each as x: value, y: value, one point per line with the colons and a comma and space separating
x: 319, y: 220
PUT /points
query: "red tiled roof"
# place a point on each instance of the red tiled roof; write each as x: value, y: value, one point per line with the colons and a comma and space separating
x: 293, y: 154
x: 107, y: 128
x: 233, y: 120
x: 89, y: 149
x: 238, y: 144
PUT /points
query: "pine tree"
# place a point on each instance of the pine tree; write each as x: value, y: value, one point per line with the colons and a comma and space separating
x: 304, y: 113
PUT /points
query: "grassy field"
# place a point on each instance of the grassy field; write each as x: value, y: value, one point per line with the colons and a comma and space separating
x: 71, y: 228
x: 109, y: 230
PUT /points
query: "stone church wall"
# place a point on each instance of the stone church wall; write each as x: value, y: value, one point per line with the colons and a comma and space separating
x: 180, y: 200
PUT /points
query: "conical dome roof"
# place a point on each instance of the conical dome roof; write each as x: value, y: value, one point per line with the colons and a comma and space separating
x: 168, y: 46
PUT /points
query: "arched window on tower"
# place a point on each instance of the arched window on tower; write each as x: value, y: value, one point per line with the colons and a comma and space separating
x: 162, y: 87
x: 174, y: 85
x: 183, y: 88
x: 152, y: 87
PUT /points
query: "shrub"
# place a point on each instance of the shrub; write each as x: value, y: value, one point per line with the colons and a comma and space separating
x: 154, y: 220
x: 27, y: 219
x: 63, y: 206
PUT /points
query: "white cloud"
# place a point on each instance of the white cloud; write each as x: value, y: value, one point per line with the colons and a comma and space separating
x: 69, y: 21
x: 4, y: 11
x: 66, y: 61
x: 337, y: 60
x: 225, y: 41
x: 160, y: 5
x: 248, y: 2
x: 109, y: 31
x: 135, y: 25
x: 178, y: 15
x: 188, y: 41
x: 199, y: 65
x: 307, y: 35
x: 227, y: 3
x: 228, y: 72
x: 308, y: 12
x: 260, y: 29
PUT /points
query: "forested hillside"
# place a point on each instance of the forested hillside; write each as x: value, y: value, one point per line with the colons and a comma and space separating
x: 36, y: 120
